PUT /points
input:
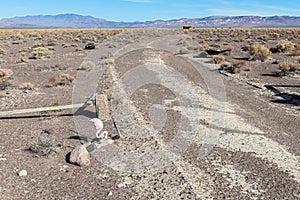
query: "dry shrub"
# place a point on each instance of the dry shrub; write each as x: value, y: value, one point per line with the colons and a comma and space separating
x: 53, y: 82
x: 275, y: 35
x: 43, y: 147
x: 289, y: 66
x: 18, y: 36
x: 26, y: 86
x: 284, y: 46
x: 230, y: 47
x: 231, y: 68
x: 64, y: 79
x: 25, y: 49
x: 5, y: 76
x: 23, y: 60
x: 295, y: 52
x: 52, y: 42
x: 259, y: 52
x: 40, y: 52
x: 2, y: 52
x: 38, y: 44
x: 77, y: 40
x: 218, y: 59
x: 240, y: 64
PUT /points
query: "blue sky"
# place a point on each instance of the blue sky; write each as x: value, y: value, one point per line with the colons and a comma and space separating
x: 143, y: 10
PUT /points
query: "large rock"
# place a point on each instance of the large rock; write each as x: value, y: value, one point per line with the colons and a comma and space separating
x: 80, y: 156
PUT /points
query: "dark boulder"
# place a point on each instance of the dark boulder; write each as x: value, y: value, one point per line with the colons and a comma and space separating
x: 90, y: 46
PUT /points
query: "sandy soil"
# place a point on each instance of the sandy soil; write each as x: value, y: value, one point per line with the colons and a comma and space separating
x: 188, y: 130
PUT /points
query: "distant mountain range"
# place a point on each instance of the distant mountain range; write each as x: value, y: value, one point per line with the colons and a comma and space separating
x: 79, y: 21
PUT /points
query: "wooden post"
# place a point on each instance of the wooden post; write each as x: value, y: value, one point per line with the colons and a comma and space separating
x: 102, y: 107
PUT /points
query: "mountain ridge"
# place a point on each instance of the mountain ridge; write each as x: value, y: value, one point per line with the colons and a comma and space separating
x: 70, y: 20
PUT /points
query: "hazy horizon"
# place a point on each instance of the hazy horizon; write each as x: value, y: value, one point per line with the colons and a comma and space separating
x: 149, y: 20
x: 149, y: 10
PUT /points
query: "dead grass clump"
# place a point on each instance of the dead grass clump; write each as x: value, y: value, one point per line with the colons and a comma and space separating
x: 26, y: 86
x: 40, y: 52
x: 23, y: 60
x: 2, y: 52
x: 53, y: 82
x: 275, y: 35
x: 38, y: 44
x: 295, y: 52
x: 285, y: 46
x: 52, y: 42
x: 218, y: 59
x: 5, y: 76
x: 18, y: 36
x: 231, y: 68
x: 259, y: 52
x: 43, y: 147
x: 289, y: 66
x: 64, y: 79
x: 25, y: 49
x: 230, y: 47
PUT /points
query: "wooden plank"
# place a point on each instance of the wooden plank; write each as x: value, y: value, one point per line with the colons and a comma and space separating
x: 102, y: 107
x: 33, y: 110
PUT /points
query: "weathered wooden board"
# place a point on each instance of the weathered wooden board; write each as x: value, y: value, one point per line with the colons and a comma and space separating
x: 33, y: 110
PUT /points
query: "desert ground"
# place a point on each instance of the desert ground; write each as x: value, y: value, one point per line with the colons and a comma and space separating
x: 200, y: 113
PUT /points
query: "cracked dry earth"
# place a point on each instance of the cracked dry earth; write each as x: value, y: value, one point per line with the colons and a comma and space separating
x: 187, y: 132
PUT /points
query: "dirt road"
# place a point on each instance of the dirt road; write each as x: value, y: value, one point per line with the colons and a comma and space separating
x: 176, y: 113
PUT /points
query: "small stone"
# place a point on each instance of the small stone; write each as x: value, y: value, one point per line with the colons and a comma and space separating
x: 64, y: 168
x: 87, y: 144
x: 114, y: 136
x: 80, y: 156
x: 23, y: 173
x: 91, y: 147
x: 110, y: 194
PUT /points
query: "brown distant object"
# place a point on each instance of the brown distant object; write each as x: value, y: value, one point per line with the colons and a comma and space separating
x: 187, y: 26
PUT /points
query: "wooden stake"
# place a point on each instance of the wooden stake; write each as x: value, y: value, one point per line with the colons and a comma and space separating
x: 102, y: 108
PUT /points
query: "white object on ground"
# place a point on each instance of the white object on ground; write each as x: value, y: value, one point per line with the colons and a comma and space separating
x: 98, y: 124
x: 23, y: 173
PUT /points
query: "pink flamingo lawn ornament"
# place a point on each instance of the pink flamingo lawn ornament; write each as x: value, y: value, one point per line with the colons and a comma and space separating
x: 98, y: 124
